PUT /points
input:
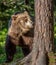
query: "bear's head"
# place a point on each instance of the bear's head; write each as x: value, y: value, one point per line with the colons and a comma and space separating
x: 21, y: 22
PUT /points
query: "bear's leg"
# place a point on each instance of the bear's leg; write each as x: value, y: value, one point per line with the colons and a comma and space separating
x: 10, y: 49
x: 26, y: 50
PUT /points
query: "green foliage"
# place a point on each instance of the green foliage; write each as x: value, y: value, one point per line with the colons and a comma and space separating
x: 7, y: 8
x: 2, y: 58
x: 55, y: 23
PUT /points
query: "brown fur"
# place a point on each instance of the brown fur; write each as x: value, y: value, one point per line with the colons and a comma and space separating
x: 17, y: 28
x: 19, y: 34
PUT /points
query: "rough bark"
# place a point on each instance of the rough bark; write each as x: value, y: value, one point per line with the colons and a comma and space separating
x: 43, y: 33
x: 25, y: 61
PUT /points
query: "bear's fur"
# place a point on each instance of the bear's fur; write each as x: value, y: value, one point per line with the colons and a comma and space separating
x: 21, y: 32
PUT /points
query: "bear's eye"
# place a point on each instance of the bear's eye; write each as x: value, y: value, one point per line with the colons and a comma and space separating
x: 26, y: 20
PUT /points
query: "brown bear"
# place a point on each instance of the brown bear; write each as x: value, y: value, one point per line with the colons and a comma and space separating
x: 20, y: 32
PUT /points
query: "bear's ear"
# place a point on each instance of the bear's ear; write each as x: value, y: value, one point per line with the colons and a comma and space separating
x: 26, y: 12
x: 14, y: 17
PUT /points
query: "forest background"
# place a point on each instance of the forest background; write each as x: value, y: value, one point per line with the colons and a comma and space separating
x: 9, y: 7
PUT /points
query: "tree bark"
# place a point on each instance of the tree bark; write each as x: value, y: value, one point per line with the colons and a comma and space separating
x: 43, y: 33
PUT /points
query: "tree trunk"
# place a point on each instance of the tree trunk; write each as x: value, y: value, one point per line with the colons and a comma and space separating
x: 43, y: 33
